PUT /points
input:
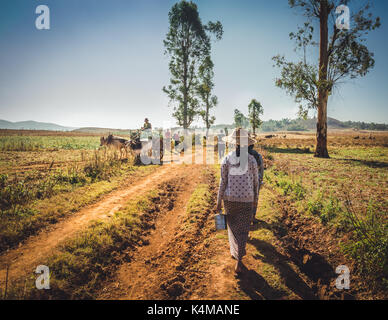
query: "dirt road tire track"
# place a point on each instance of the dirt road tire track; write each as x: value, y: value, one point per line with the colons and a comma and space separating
x: 24, y: 259
x: 163, y: 268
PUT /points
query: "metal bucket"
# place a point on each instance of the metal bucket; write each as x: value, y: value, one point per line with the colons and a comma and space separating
x: 220, y: 220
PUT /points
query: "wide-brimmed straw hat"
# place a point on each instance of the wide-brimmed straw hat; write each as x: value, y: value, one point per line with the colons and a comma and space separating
x: 239, y: 137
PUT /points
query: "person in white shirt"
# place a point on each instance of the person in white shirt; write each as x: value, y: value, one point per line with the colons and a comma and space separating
x: 239, y: 185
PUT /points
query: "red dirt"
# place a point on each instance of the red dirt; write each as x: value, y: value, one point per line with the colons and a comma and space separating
x: 24, y: 259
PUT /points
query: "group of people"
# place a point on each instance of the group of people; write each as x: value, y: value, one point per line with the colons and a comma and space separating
x: 167, y: 135
x: 239, y: 185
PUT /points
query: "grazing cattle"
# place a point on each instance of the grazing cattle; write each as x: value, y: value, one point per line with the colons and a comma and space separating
x: 134, y: 145
x: 116, y: 143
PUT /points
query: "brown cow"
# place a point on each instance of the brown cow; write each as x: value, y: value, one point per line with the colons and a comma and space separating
x: 155, y: 149
x: 116, y: 143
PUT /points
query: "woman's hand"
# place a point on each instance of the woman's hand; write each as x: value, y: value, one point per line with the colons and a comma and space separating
x: 219, y: 207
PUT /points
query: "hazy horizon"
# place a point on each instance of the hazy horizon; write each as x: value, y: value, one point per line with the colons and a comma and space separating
x: 102, y: 65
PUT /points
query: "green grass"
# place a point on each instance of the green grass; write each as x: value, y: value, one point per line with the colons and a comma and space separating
x: 285, y: 184
x: 34, y: 143
x: 368, y: 245
x: 366, y: 153
x: 326, y: 208
x: 325, y: 188
x: 202, y: 199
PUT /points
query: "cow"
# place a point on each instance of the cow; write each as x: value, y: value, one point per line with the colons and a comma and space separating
x: 116, y: 143
x: 154, y: 147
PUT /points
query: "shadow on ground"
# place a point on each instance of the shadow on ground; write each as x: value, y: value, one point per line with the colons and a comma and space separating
x: 256, y: 287
x: 280, y: 262
x: 368, y: 163
x: 288, y: 150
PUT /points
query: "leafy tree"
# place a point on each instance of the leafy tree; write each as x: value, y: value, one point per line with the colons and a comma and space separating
x: 342, y: 54
x: 187, y: 43
x: 204, y: 90
x: 255, y: 109
x: 240, y: 121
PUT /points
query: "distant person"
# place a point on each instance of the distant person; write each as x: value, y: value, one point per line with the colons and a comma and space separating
x: 147, y: 125
x: 167, y: 141
x: 167, y: 134
x: 176, y: 138
x: 221, y: 144
x: 226, y: 133
x: 238, y: 191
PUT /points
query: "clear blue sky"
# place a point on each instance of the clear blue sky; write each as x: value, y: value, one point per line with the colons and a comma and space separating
x: 102, y: 62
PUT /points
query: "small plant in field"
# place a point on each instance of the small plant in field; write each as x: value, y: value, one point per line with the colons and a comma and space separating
x: 326, y: 209
x: 286, y: 184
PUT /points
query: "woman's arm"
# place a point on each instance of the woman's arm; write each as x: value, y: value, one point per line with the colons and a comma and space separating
x: 223, y: 183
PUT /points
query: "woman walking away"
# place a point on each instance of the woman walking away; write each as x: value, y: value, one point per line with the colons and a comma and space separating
x: 239, y: 191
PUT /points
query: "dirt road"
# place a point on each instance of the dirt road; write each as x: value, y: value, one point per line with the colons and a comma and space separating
x: 176, y: 264
x: 184, y: 257
x: 24, y: 259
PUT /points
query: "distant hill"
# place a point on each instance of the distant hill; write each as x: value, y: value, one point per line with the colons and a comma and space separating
x: 33, y: 125
x: 102, y: 130
x: 267, y: 126
x: 311, y: 125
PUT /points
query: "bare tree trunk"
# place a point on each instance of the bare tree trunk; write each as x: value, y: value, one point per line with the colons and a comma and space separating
x: 185, y: 126
x: 185, y: 89
x: 321, y: 148
x: 207, y: 118
x: 185, y: 102
x: 254, y: 124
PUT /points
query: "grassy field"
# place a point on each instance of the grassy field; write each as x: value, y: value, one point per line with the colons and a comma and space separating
x: 57, y: 177
x: 346, y: 193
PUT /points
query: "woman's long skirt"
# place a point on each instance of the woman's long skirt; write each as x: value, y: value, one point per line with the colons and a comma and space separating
x: 238, y: 219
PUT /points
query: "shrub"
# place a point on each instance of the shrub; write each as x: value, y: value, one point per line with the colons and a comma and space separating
x: 13, y: 194
x: 289, y: 187
x: 325, y: 209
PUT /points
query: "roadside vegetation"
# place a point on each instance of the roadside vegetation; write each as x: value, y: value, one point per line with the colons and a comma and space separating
x: 346, y: 194
x: 333, y: 208
x: 53, y: 143
x: 36, y: 195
